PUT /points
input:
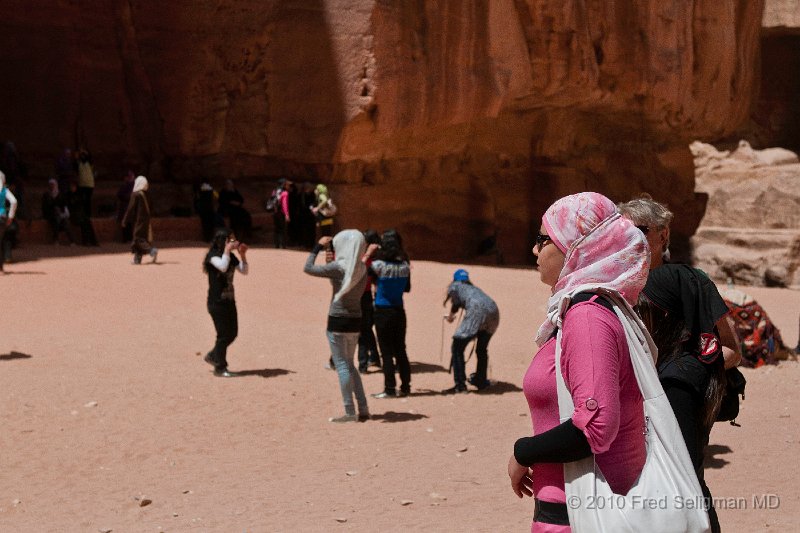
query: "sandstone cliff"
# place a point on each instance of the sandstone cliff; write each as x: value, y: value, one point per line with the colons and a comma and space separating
x: 453, y: 121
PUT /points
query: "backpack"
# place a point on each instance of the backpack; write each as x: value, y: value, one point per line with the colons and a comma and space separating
x: 729, y: 407
x: 329, y: 209
x: 273, y: 204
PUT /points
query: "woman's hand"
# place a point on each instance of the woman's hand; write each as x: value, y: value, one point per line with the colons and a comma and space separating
x: 230, y: 245
x: 521, y: 481
x: 325, y: 240
x: 243, y: 249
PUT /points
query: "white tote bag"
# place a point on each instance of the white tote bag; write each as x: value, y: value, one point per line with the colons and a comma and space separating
x: 667, y: 496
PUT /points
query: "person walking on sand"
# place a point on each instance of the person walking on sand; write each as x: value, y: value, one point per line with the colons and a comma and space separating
x: 220, y: 264
x: 583, y: 246
x: 348, y: 275
x: 138, y: 214
x: 480, y: 321
x: 6, y: 214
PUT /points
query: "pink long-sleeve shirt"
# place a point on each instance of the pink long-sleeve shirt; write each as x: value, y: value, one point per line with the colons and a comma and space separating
x: 597, y: 370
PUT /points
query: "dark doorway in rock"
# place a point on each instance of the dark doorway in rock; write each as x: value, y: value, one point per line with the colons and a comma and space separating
x: 777, y: 113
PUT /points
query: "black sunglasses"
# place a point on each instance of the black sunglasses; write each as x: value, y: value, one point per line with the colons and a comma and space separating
x: 643, y: 229
x: 541, y: 240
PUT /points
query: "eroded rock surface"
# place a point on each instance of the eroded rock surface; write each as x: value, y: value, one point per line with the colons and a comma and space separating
x: 452, y: 121
x: 751, y: 228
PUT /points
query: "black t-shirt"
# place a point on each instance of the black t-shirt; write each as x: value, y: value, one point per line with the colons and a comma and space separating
x: 220, y: 284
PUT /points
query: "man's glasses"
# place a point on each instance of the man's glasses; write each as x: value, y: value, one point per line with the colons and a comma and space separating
x: 542, y: 240
x: 643, y: 229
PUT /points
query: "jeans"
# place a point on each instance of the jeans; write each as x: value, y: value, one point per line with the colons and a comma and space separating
x: 226, y: 322
x: 367, y: 346
x: 390, y: 323
x: 459, y: 371
x: 343, y: 347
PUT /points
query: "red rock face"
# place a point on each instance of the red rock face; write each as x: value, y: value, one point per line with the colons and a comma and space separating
x: 452, y: 121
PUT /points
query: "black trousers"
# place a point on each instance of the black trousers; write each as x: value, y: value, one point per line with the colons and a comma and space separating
x: 390, y: 323
x: 226, y: 322
x: 367, y: 346
x: 481, y: 348
x: 280, y: 230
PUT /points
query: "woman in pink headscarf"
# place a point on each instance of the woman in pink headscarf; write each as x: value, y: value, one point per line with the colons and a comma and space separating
x: 585, y: 249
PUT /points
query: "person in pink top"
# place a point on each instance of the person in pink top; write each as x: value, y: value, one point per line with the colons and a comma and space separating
x: 584, y: 245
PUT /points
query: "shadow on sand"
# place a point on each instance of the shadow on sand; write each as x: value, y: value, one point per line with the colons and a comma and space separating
x: 393, y: 416
x: 422, y: 368
x: 14, y: 355
x: 716, y: 449
x: 265, y: 372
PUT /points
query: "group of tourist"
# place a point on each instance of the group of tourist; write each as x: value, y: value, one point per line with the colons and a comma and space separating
x: 620, y: 318
x: 590, y: 388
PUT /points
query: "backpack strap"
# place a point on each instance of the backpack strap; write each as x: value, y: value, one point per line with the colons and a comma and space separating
x: 587, y: 297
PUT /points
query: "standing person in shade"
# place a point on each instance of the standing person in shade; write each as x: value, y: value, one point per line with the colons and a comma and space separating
x: 138, y: 214
x: 65, y: 169
x: 123, y: 199
x: 481, y: 318
x: 367, y: 345
x: 308, y: 222
x: 680, y: 307
x: 7, y: 214
x: 294, y: 205
x: 220, y: 264
x: 347, y: 275
x: 324, y: 210
x: 78, y: 217
x: 204, y: 207
x: 10, y: 240
x: 281, y: 216
x: 85, y: 191
x: 392, y: 271
x: 55, y: 211
x: 231, y: 205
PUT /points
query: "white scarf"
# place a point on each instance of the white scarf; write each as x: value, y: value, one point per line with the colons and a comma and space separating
x: 349, y: 245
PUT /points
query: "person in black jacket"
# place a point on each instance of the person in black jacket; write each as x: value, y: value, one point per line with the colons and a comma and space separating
x: 220, y: 264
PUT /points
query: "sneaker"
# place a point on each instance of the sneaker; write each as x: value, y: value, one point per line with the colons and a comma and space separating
x: 384, y: 394
x: 343, y: 418
x: 209, y: 360
x: 137, y: 260
x: 225, y: 373
x: 458, y: 389
x: 153, y: 254
x: 403, y: 393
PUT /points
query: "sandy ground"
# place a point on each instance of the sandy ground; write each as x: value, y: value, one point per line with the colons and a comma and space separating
x: 106, y: 400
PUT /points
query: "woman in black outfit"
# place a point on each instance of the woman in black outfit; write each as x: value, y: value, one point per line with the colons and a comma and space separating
x: 220, y: 265
x: 680, y: 306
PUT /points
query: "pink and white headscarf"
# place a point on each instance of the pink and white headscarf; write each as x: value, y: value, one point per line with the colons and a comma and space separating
x: 603, y: 251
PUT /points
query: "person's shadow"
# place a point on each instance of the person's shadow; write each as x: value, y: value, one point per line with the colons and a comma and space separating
x: 716, y: 449
x: 423, y: 368
x: 390, y: 417
x: 265, y: 372
x: 14, y: 355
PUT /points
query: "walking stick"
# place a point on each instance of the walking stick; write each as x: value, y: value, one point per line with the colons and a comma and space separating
x: 460, y: 317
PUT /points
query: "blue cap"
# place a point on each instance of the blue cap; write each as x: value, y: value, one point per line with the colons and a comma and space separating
x: 461, y: 275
